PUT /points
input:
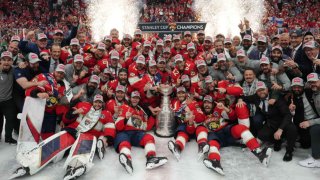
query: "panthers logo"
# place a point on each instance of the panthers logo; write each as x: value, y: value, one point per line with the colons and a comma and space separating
x: 213, y: 123
x: 172, y: 26
x: 51, y: 101
x: 87, y: 122
x: 136, y: 122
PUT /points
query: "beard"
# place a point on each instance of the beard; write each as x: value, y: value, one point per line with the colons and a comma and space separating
x: 275, y: 59
x: 224, y: 67
x: 207, y: 110
x: 6, y: 69
x: 123, y: 82
x: 90, y: 90
x: 297, y: 93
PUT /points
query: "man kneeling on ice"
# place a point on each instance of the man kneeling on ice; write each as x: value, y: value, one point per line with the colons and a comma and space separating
x: 84, y: 124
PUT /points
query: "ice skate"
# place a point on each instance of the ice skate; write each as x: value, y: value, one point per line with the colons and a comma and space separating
x: 263, y: 155
x: 154, y: 162
x: 214, y: 165
x: 175, y: 150
x: 126, y: 163
x: 21, y: 171
x: 203, y: 148
x: 100, y: 148
x: 73, y: 173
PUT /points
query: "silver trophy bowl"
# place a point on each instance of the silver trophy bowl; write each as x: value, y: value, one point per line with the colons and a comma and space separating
x: 165, y: 123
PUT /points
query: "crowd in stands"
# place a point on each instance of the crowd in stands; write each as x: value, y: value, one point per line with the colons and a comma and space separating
x: 168, y: 11
x: 40, y: 16
x: 291, y: 14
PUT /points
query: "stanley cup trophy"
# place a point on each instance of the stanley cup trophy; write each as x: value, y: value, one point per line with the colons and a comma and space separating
x: 165, y: 124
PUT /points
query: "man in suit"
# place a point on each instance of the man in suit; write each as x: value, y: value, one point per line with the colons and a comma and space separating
x: 278, y: 118
x: 262, y: 49
x: 285, y: 44
x: 311, y: 49
x: 298, y: 54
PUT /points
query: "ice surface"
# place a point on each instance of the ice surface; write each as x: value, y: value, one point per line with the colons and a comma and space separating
x: 238, y: 165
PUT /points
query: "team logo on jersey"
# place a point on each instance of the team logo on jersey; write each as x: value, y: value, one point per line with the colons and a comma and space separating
x: 136, y: 121
x: 213, y: 123
x: 87, y: 122
x: 51, y: 101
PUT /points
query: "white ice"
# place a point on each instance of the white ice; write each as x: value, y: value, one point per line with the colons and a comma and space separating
x: 237, y: 164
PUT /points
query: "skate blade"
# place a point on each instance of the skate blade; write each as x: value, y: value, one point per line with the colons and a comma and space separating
x: 205, y: 150
x: 78, y: 173
x: 20, y: 173
x: 153, y: 166
x: 171, y: 148
x: 123, y: 162
x: 100, y: 151
x: 209, y: 166
x: 266, y: 161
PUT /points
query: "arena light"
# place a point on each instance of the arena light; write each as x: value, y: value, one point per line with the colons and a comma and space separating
x: 108, y: 14
x: 224, y: 16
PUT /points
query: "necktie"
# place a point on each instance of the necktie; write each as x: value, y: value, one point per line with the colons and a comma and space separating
x: 264, y: 106
x: 293, y: 53
x: 260, y: 56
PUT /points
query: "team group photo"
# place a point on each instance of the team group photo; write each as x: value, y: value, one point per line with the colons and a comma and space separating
x: 160, y: 89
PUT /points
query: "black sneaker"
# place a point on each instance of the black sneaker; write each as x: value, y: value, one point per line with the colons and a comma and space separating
x: 100, y: 148
x: 73, y: 173
x: 287, y: 156
x: 154, y: 162
x: 20, y: 172
x: 263, y: 155
x: 203, y: 148
x: 214, y: 165
x: 10, y: 141
x: 277, y: 146
x: 126, y: 163
x: 175, y: 150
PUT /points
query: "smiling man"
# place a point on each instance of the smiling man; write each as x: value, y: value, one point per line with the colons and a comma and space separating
x: 7, y: 105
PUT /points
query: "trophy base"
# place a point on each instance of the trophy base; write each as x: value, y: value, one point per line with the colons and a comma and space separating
x: 163, y: 135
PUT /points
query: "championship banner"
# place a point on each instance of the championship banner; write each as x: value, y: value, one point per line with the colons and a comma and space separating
x: 164, y: 29
x: 172, y: 27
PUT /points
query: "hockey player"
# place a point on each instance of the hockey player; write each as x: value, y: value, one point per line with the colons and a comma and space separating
x: 84, y: 124
x: 50, y: 92
x: 113, y: 105
x: 137, y: 70
x: 223, y: 132
x: 189, y: 116
x: 183, y: 67
x: 131, y: 126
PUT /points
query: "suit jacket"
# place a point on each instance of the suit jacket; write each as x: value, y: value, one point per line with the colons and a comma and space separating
x: 255, y: 53
x: 305, y: 65
x: 278, y: 115
x: 287, y: 51
x: 299, y: 112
